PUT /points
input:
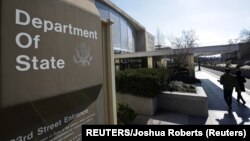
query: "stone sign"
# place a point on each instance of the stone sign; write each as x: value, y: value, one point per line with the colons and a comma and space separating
x: 51, y: 69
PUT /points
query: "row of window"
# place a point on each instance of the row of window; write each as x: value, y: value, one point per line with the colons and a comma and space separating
x: 122, y: 32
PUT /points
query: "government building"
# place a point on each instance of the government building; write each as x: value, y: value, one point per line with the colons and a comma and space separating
x: 128, y: 36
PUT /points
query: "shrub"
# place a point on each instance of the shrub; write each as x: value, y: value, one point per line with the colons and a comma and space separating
x: 181, y: 87
x: 141, y: 82
x: 181, y: 74
x: 125, y: 114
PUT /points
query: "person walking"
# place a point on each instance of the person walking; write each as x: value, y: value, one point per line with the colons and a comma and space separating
x: 240, y: 80
x: 229, y: 82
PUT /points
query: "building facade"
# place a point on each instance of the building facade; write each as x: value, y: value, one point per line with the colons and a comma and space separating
x: 241, y: 56
x: 128, y: 36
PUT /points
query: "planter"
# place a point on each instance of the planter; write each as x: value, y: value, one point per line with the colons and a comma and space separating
x: 141, y: 105
x: 188, y: 103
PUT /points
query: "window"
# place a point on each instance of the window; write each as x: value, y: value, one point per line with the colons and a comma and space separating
x: 122, y: 32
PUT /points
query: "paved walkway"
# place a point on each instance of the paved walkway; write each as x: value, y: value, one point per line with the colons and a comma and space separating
x: 217, y: 114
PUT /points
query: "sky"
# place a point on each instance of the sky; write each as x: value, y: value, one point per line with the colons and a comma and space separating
x: 214, y: 21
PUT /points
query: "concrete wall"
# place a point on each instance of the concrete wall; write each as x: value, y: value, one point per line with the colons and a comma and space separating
x: 230, y: 55
x: 141, y: 105
x: 187, y: 103
x: 150, y: 62
x: 190, y: 62
x: 150, y: 42
x: 242, y: 53
x: 140, y: 41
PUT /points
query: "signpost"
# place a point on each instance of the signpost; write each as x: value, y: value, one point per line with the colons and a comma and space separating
x: 51, y: 69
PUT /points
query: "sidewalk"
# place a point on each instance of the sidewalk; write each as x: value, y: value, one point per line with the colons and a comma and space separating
x: 217, y: 114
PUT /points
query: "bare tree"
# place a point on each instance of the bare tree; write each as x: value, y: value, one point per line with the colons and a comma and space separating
x: 160, y: 38
x: 233, y: 41
x: 245, y: 35
x: 182, y: 45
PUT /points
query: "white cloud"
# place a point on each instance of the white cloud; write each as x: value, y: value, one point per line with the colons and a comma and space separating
x: 181, y: 2
x: 207, y: 38
x: 248, y: 19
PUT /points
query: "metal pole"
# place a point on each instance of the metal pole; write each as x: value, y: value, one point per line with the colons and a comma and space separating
x: 199, y: 65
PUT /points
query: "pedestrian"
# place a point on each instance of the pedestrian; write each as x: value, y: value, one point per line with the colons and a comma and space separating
x: 240, y: 80
x: 229, y: 82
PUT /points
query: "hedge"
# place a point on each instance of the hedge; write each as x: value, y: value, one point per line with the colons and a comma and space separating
x: 141, y: 82
x: 125, y: 114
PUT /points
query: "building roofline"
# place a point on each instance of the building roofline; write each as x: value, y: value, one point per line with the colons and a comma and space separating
x: 136, y: 24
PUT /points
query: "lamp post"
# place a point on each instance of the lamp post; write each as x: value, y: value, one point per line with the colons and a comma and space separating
x: 199, y: 63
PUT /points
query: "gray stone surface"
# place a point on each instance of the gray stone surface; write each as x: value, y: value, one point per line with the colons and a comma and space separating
x: 141, y: 105
x: 188, y: 103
